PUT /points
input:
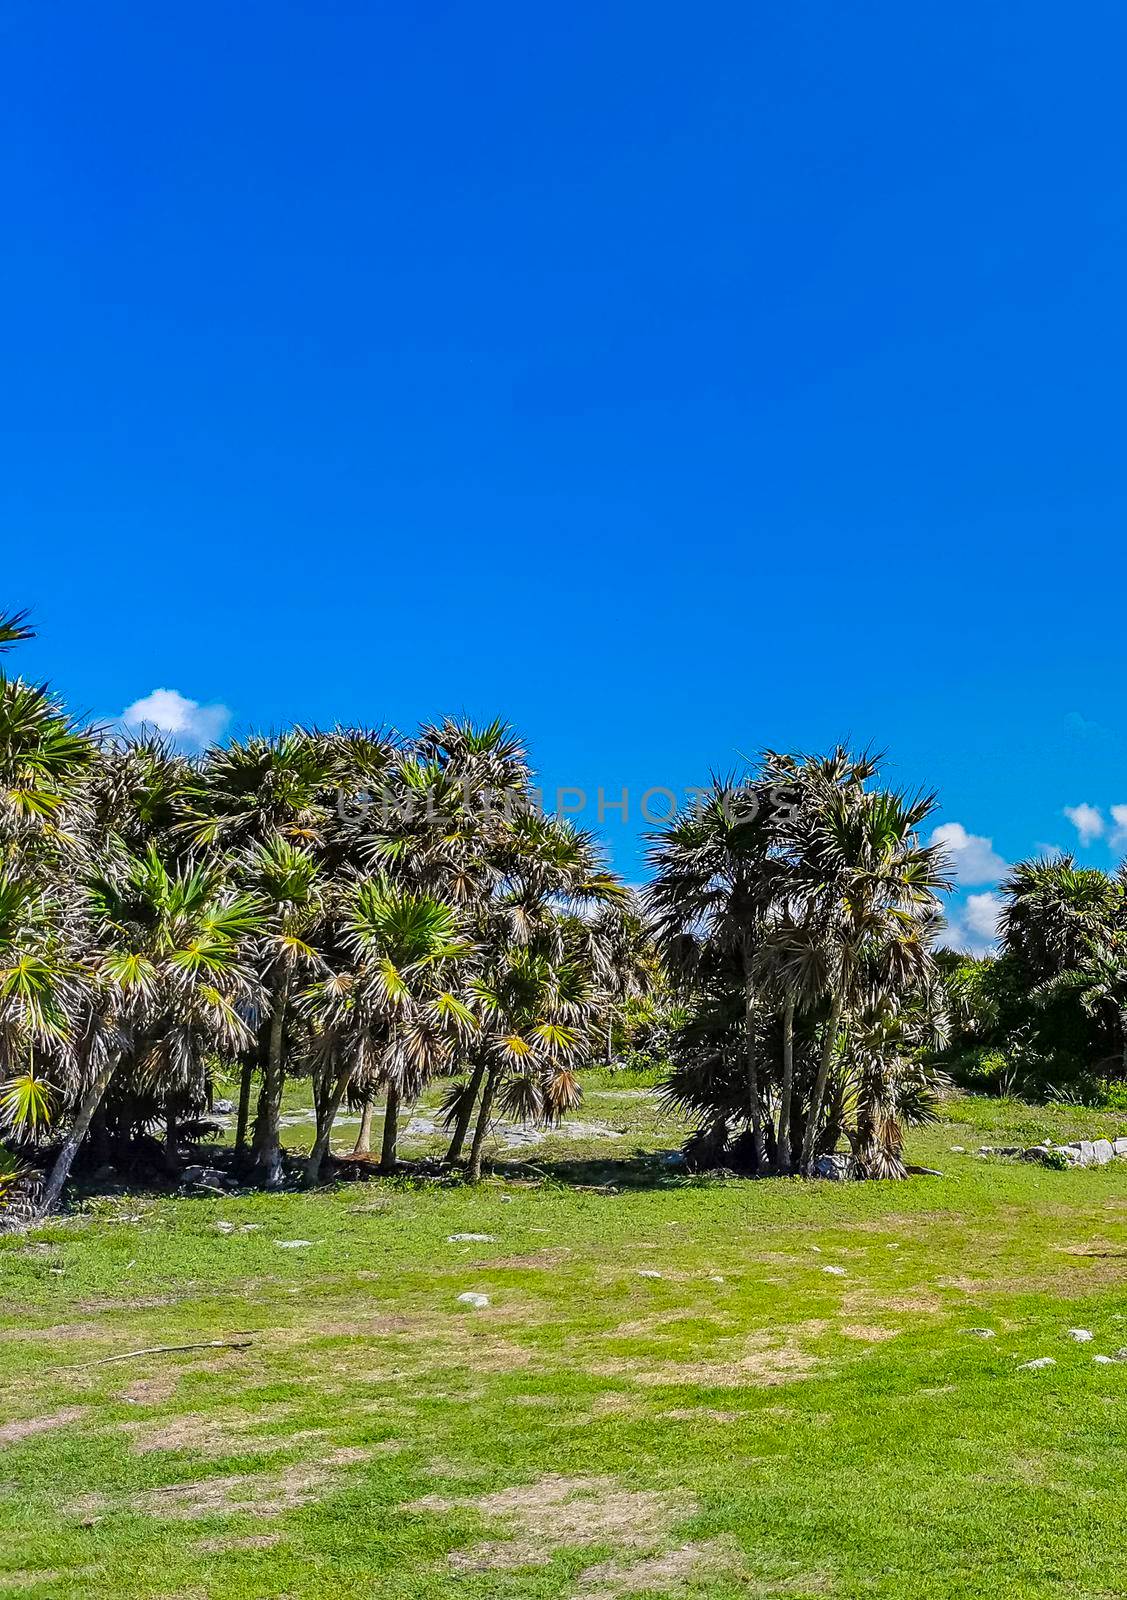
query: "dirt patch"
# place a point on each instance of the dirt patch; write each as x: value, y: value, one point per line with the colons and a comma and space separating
x: 861, y: 1300
x: 700, y: 1414
x: 667, y: 1573
x: 555, y: 1512
x: 256, y: 1494
x: 151, y: 1391
x: 542, y: 1260
x: 758, y: 1366
x: 654, y: 1326
x: 246, y: 1541
x: 217, y: 1436
x: 25, y: 1427
x: 867, y: 1333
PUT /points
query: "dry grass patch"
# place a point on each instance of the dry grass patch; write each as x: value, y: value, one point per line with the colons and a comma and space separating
x: 759, y: 1364
x: 25, y: 1427
x: 868, y: 1333
x: 536, y: 1260
x: 555, y: 1512
x: 667, y: 1573
x: 151, y: 1391
x: 237, y: 1541
x: 211, y: 1435
x: 699, y: 1414
x: 255, y: 1494
x: 920, y: 1301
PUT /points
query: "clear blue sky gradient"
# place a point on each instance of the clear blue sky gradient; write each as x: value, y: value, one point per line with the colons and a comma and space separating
x: 672, y: 381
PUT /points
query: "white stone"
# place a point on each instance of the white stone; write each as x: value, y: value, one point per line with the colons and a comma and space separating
x: 293, y: 1244
x: 1035, y: 1366
x: 1104, y: 1361
x: 837, y: 1272
x: 648, y: 1273
x: 1079, y: 1335
x: 982, y: 1333
x: 471, y: 1238
x: 471, y: 1299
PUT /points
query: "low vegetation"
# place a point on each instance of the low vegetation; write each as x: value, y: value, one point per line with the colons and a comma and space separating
x: 680, y: 1385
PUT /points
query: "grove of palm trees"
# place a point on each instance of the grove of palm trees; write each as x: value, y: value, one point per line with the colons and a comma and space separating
x: 376, y: 913
x: 393, y: 1200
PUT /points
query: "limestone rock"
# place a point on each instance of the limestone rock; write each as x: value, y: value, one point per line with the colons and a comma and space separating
x: 837, y: 1168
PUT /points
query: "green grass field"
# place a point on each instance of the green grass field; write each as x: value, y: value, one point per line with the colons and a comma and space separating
x: 669, y: 1393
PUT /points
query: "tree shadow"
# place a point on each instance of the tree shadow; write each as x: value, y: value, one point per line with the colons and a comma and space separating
x: 642, y: 1169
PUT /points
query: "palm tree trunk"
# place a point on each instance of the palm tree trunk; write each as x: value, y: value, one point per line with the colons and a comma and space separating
x: 170, y: 1157
x: 465, y: 1113
x: 473, y: 1170
x: 267, y: 1128
x: 65, y: 1158
x: 389, y: 1150
x: 753, y: 1076
x: 610, y: 1041
x: 786, y: 1090
x: 809, y: 1142
x: 325, y: 1128
x: 363, y: 1146
x: 243, y: 1117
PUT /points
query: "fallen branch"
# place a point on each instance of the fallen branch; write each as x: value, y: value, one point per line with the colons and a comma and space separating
x: 160, y: 1350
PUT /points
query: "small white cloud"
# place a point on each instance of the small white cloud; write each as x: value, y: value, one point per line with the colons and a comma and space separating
x: 1087, y: 820
x: 1119, y: 831
x: 974, y: 925
x: 974, y: 857
x: 168, y: 711
x: 982, y: 915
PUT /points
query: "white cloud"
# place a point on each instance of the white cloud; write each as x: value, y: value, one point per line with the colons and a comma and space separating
x: 974, y: 925
x: 974, y: 857
x: 982, y: 914
x: 168, y: 711
x: 1119, y: 832
x: 1087, y: 820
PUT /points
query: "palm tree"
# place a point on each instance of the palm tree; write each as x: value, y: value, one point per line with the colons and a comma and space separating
x: 792, y: 898
x: 714, y: 886
x: 287, y: 882
x: 249, y: 794
x: 407, y: 1007
x: 873, y: 890
x: 537, y: 1018
x: 1099, y: 981
x: 39, y: 987
x: 1055, y: 912
x: 168, y: 979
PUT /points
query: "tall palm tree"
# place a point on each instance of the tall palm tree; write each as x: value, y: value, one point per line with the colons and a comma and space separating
x: 537, y: 1020
x: 872, y: 887
x: 287, y: 882
x: 807, y: 893
x: 714, y: 886
x: 168, y: 978
x: 408, y: 1002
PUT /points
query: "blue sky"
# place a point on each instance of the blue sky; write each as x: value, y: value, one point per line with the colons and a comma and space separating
x: 672, y: 382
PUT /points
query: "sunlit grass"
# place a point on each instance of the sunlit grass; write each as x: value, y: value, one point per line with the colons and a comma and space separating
x: 796, y: 1431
